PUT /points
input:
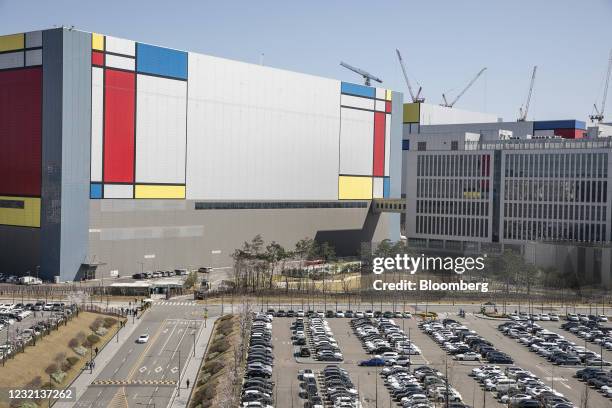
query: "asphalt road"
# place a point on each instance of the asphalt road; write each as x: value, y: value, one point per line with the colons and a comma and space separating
x: 143, y: 375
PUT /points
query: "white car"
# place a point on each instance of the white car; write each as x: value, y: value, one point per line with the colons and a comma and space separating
x: 469, y: 356
x: 554, y: 317
x: 544, y: 317
x: 143, y: 338
x: 602, y: 318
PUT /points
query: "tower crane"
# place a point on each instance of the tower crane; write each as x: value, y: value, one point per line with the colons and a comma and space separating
x: 469, y: 85
x: 366, y: 75
x: 415, y: 98
x: 523, y: 112
x: 599, y: 113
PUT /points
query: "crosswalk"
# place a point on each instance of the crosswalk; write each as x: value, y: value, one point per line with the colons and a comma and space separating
x: 175, y: 303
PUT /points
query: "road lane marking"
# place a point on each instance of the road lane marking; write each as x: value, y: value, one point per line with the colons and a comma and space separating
x: 162, y: 348
x: 146, y: 350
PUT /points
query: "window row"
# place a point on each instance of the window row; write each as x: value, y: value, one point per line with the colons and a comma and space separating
x: 581, y: 165
x: 555, y: 211
x: 454, y: 165
x: 453, y: 188
x: 556, y: 190
x: 553, y: 231
x: 270, y: 205
x: 452, y: 226
x: 460, y: 207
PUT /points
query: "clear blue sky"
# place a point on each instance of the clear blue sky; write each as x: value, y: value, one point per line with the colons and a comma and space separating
x: 444, y: 42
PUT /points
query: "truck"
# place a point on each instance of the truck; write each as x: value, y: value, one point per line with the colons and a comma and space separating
x: 29, y: 280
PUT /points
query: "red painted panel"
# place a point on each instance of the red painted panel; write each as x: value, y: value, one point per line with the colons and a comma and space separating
x: 119, y: 94
x: 388, y: 106
x: 379, y: 144
x: 20, y: 131
x: 97, y: 58
x: 570, y: 133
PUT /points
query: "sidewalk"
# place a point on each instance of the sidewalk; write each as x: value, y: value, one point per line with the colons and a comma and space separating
x: 83, y: 381
x: 191, y: 369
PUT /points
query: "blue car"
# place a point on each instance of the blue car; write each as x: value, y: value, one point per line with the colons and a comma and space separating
x: 373, y: 362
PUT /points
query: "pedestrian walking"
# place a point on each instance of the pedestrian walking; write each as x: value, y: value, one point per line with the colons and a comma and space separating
x: 188, y: 383
x: 96, y: 350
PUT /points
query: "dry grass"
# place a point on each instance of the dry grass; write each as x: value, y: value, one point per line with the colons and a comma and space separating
x: 24, y: 367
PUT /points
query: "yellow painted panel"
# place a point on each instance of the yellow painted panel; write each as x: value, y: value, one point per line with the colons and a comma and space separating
x: 389, y: 93
x: 11, y: 42
x: 97, y: 41
x: 354, y: 188
x: 412, y: 112
x: 152, y: 191
x: 28, y: 216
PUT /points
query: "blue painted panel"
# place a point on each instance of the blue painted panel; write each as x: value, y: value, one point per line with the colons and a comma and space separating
x: 359, y: 90
x: 558, y: 124
x: 161, y: 61
x: 405, y: 144
x: 95, y: 190
x: 386, y: 187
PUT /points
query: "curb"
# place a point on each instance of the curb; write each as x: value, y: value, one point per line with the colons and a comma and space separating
x: 195, y: 381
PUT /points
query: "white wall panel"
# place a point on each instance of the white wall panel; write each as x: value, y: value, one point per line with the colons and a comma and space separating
x: 356, y: 141
x: 11, y: 60
x: 387, y: 143
x: 120, y: 46
x: 441, y: 115
x: 115, y: 61
x: 161, y: 130
x: 380, y: 93
x: 118, y: 191
x: 33, y: 57
x: 380, y: 106
x: 256, y: 132
x: 378, y: 188
x: 33, y: 39
x: 97, y: 117
x: 357, y: 102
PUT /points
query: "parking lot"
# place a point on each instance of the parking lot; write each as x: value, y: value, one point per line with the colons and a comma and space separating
x: 370, y: 384
x: 20, y: 323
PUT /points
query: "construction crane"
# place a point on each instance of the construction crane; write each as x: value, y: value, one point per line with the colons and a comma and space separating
x: 415, y: 98
x: 523, y: 112
x: 599, y: 113
x: 469, y: 85
x: 366, y: 75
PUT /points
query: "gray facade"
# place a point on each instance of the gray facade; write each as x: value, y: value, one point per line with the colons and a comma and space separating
x: 129, y: 235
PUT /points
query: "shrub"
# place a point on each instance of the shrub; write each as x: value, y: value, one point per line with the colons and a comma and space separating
x: 73, y: 342
x: 86, y: 343
x: 93, y: 339
x: 109, y: 322
x: 219, y: 347
x: 51, y: 368
x: 213, y: 367
x: 80, y: 350
x: 35, y: 383
x: 225, y: 317
x: 66, y: 365
x: 81, y: 336
x: 72, y: 360
x: 59, y: 358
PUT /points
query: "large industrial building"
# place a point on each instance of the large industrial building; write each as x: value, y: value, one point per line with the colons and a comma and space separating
x: 120, y: 155
x: 540, y: 187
